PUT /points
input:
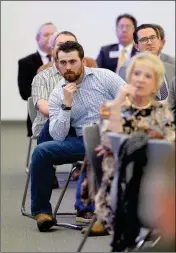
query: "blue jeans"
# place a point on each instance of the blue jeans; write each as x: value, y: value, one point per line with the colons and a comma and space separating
x: 44, y: 156
x: 79, y: 204
x: 44, y: 134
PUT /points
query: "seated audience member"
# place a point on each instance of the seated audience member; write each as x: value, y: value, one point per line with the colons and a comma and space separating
x: 112, y: 56
x: 134, y: 109
x: 44, y: 83
x: 172, y: 97
x: 74, y: 102
x: 42, y: 86
x: 159, y: 206
x: 89, y: 62
x: 147, y: 38
x: 164, y: 57
x: 28, y: 66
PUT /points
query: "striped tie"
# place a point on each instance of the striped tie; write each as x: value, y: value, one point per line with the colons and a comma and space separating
x: 121, y: 60
x: 163, y: 91
x: 49, y: 57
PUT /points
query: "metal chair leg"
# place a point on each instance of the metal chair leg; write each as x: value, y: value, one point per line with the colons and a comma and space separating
x: 62, y: 195
x: 86, y: 234
x: 23, y: 209
x: 66, y: 225
x: 28, y: 154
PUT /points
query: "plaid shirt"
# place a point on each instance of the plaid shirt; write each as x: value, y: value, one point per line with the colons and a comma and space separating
x: 97, y: 86
x: 42, y: 86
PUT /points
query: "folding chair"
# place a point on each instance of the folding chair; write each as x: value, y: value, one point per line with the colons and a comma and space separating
x: 158, y: 151
x: 32, y: 114
x: 91, y: 138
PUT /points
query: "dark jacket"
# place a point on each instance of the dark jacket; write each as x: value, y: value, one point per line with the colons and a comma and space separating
x: 105, y: 61
x: 27, y: 69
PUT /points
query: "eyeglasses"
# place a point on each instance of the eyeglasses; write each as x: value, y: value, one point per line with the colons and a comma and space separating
x: 145, y: 40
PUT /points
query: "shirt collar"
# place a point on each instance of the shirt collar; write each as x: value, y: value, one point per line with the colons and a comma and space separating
x: 128, y: 48
x: 55, y: 70
x: 87, y: 72
x: 43, y: 54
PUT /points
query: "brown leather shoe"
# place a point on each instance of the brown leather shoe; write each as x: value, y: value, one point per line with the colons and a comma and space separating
x: 96, y: 230
x: 45, y: 221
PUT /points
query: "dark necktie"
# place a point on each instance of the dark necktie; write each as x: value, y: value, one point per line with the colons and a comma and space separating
x: 49, y: 57
x: 163, y: 91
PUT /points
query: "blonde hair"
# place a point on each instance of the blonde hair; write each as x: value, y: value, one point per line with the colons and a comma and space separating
x: 148, y: 58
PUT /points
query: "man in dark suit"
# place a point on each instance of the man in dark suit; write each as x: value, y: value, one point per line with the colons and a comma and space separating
x: 110, y: 55
x: 28, y: 66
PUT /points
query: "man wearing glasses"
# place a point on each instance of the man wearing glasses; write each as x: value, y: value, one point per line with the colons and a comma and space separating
x: 113, y: 56
x: 147, y: 38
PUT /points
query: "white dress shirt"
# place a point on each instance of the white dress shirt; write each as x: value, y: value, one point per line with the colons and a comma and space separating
x: 43, y: 55
x: 128, y: 50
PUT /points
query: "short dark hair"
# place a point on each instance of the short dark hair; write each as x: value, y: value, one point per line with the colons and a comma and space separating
x: 161, y: 31
x: 144, y: 26
x: 134, y: 21
x: 68, y: 33
x: 70, y: 46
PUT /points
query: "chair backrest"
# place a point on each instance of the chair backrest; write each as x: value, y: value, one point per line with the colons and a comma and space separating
x: 91, y: 137
x: 31, y: 109
x: 158, y: 151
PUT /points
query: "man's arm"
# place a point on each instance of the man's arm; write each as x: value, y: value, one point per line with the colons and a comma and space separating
x: 113, y: 83
x: 40, y: 94
x: 24, y: 79
x: 59, y: 118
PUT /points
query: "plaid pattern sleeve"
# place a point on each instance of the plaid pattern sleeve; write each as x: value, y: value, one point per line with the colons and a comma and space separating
x: 59, y: 119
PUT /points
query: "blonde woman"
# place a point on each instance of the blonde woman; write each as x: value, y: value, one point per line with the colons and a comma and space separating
x: 133, y: 110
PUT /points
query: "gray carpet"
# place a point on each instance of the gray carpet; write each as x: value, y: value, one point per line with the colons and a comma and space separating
x: 19, y: 233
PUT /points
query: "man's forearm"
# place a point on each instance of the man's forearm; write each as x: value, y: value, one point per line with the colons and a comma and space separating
x: 43, y: 107
x: 59, y: 124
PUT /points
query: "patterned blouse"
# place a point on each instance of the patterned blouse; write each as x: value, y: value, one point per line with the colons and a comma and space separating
x: 156, y: 120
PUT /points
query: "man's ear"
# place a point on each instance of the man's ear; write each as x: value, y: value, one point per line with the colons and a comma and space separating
x: 37, y: 37
x: 84, y: 61
x: 136, y: 46
x: 163, y: 43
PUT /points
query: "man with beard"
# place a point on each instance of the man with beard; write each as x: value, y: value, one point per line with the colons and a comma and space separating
x: 74, y: 102
x: 42, y: 86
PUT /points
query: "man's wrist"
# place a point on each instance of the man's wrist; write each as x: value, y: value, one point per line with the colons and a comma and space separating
x: 66, y: 103
x: 65, y: 107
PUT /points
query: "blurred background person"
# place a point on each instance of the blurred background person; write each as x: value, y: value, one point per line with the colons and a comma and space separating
x: 28, y: 66
x: 172, y: 97
x: 147, y: 38
x: 157, y: 204
x: 133, y: 110
x: 164, y: 57
x: 54, y: 43
x: 112, y: 56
